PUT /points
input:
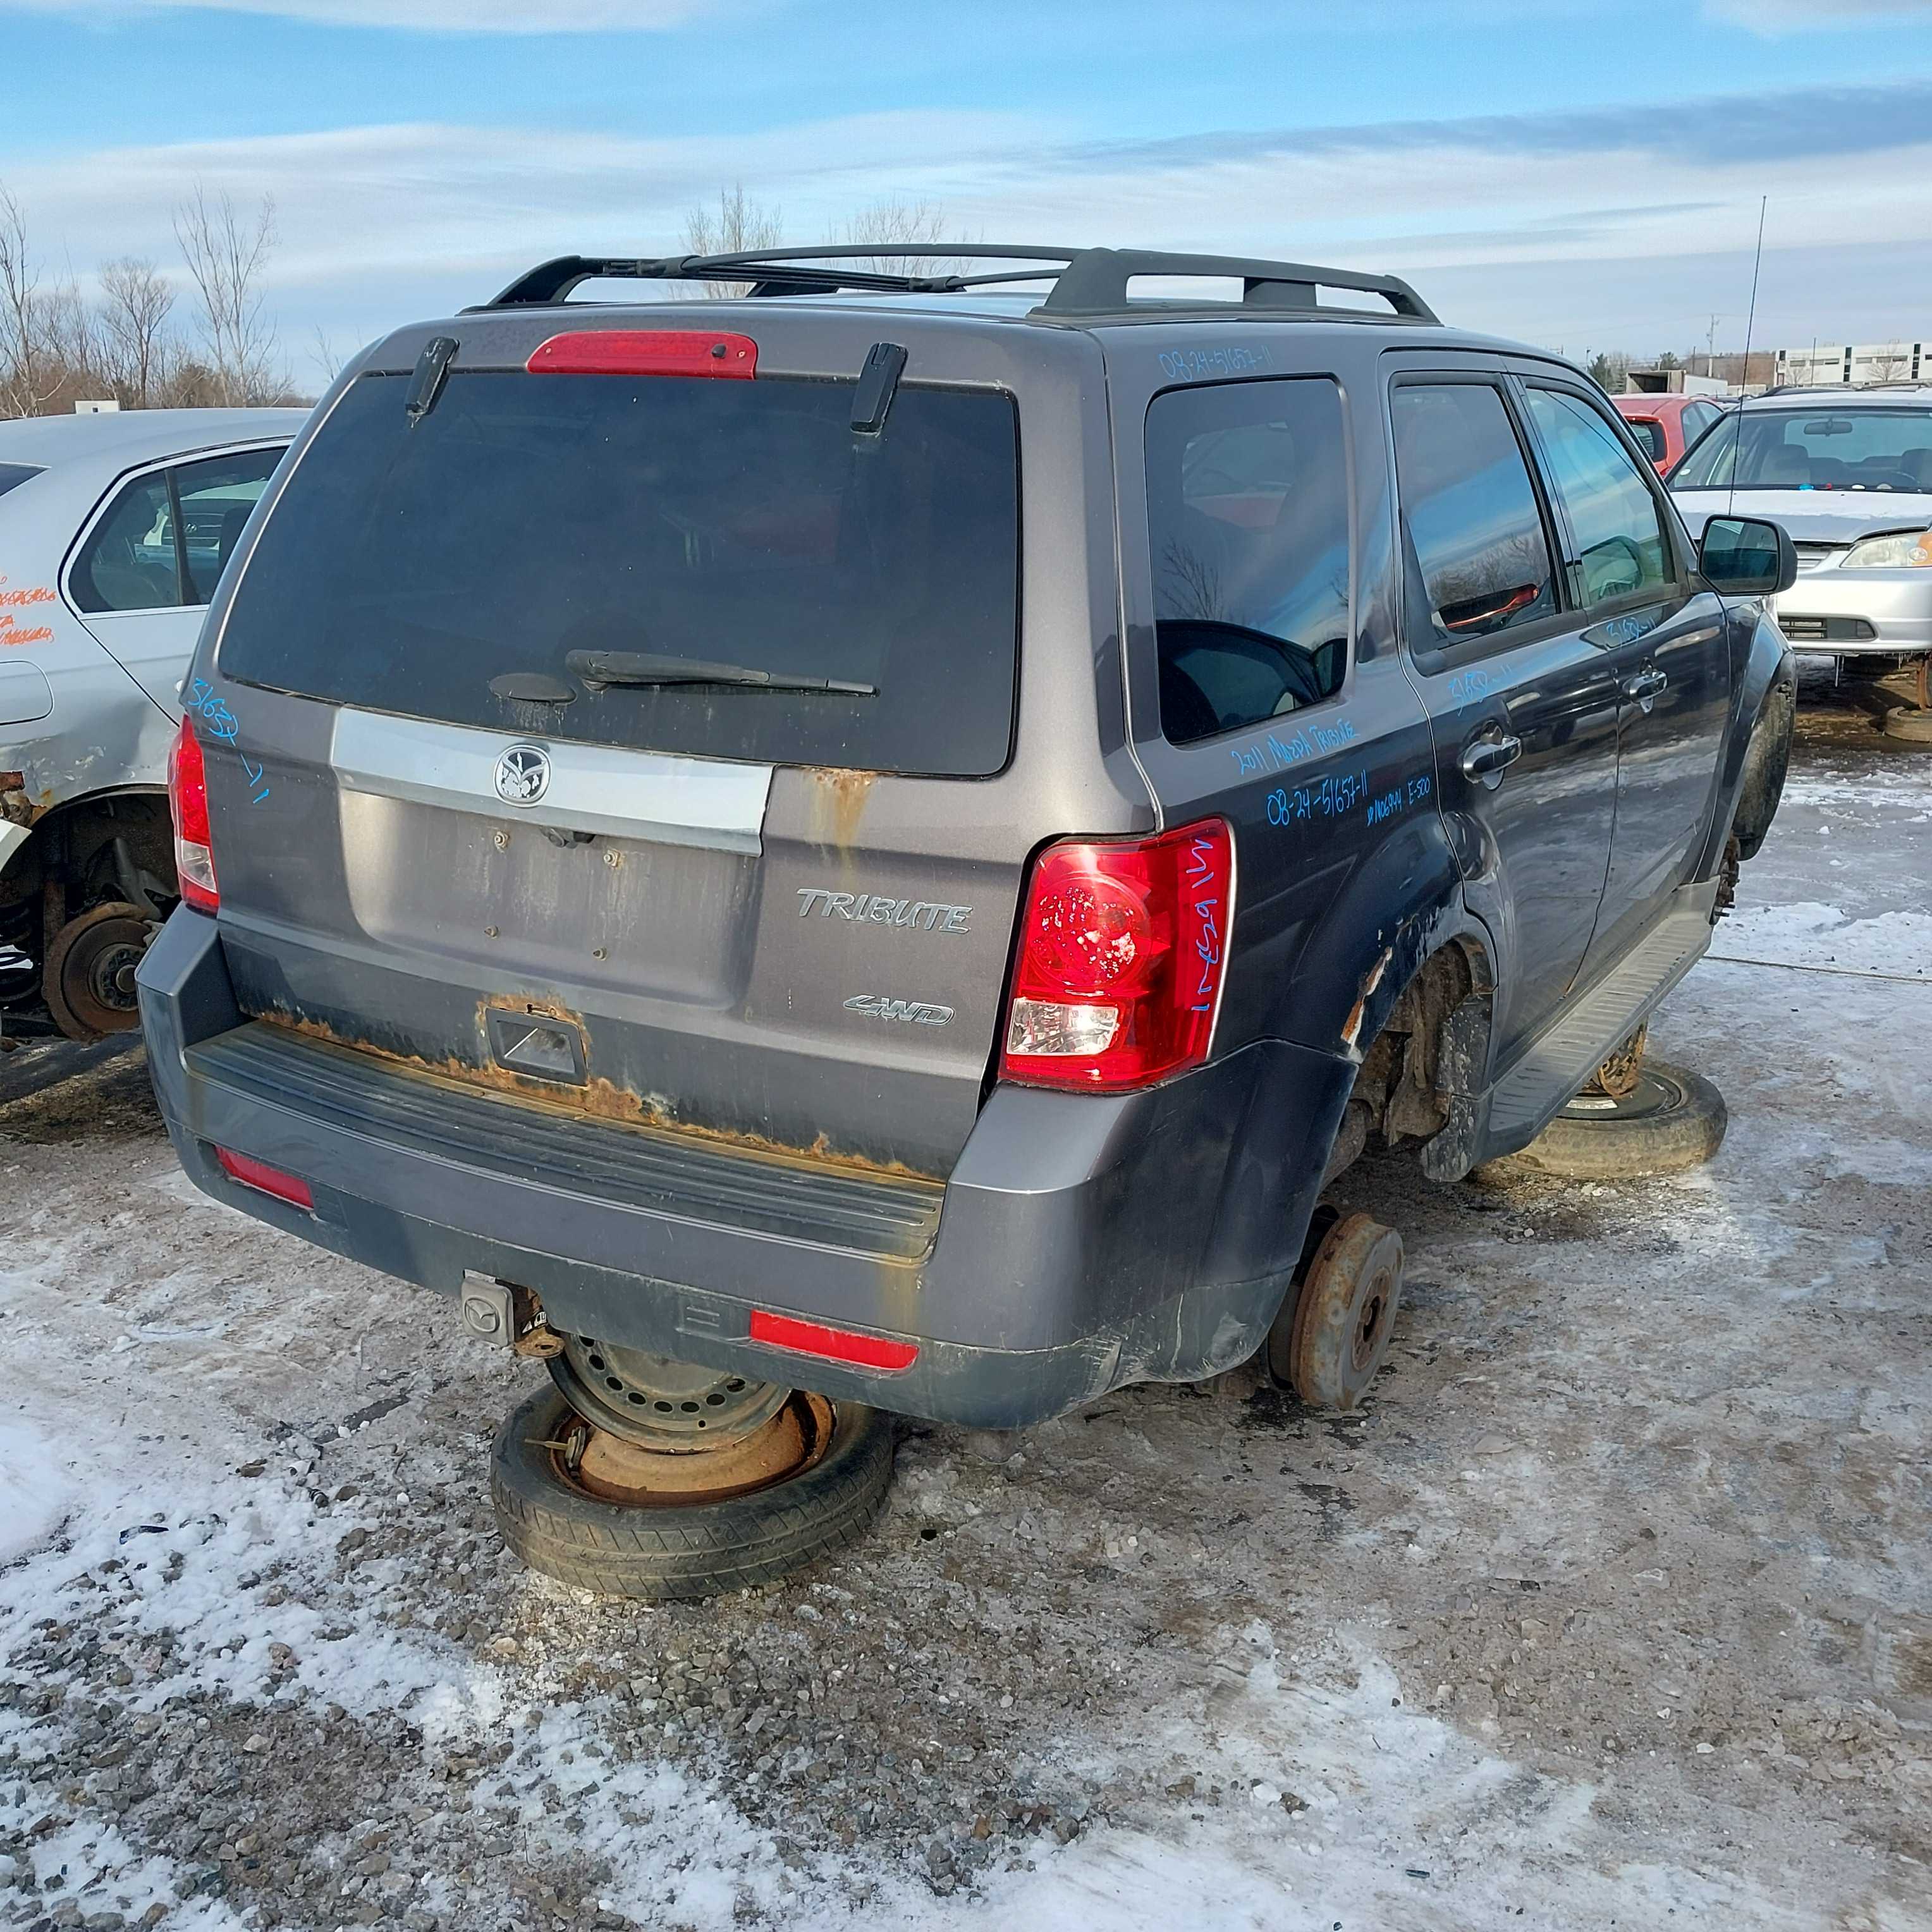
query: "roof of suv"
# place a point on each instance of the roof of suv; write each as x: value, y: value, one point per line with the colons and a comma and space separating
x: 1085, y: 289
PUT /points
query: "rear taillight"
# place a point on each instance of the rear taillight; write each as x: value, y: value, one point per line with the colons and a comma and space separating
x: 265, y: 1179
x: 1122, y: 943
x: 187, y: 799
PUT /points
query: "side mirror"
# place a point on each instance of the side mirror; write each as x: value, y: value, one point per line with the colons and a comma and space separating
x: 1746, y: 557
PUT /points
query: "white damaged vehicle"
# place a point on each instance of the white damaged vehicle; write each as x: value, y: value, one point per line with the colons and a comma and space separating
x: 114, y: 530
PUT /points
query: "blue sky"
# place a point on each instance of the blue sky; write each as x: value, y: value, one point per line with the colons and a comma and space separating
x: 1575, y: 173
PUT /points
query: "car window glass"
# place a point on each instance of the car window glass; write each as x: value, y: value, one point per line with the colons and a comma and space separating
x: 216, y: 496
x: 1248, y: 522
x: 128, y: 563
x: 1614, y: 521
x: 12, y: 475
x: 1649, y: 432
x: 1469, y: 511
x: 1816, y: 447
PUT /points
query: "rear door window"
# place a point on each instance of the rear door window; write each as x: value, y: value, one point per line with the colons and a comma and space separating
x: 691, y: 537
x: 1475, y: 531
x: 1248, y: 521
x: 167, y: 537
x: 216, y: 497
x: 1615, y: 519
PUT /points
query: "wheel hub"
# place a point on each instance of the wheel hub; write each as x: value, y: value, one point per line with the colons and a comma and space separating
x: 1329, y: 1350
x: 89, y: 980
x: 668, y: 1407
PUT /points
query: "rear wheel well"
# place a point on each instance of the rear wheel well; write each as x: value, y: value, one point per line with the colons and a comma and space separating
x: 111, y: 848
x: 1410, y: 1075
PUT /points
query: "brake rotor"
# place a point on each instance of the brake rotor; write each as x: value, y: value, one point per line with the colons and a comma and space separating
x: 1344, y: 1315
x: 669, y: 1407
x: 89, y: 979
x: 616, y: 1469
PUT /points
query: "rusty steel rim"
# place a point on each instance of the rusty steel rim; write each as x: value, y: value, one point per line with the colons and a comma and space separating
x: 610, y: 1469
x: 675, y: 1407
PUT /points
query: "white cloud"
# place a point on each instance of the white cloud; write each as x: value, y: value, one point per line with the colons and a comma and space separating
x: 475, y: 16
x: 1607, y: 242
x: 1797, y: 17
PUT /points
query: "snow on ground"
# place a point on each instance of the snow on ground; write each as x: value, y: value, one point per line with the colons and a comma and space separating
x: 1611, y: 1609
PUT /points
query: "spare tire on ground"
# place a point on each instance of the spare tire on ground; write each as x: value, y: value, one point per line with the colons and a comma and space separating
x: 1670, y: 1120
x: 543, y: 1488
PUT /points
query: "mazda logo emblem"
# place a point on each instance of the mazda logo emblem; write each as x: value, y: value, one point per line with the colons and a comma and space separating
x: 523, y: 774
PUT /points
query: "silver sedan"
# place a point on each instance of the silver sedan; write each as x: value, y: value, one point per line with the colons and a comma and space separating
x: 114, y: 529
x: 1848, y: 473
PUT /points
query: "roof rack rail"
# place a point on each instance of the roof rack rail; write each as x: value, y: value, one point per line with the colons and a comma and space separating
x: 1088, y: 281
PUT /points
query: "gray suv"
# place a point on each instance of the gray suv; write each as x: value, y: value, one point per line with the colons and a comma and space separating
x: 875, y: 846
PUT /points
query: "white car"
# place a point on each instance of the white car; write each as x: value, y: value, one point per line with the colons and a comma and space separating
x: 114, y: 528
x: 1848, y: 472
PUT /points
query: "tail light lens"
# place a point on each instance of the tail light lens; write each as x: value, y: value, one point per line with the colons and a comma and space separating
x: 1122, y: 946
x: 187, y: 799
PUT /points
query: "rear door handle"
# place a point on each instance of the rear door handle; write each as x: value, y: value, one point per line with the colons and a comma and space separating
x: 1486, y: 759
x: 1645, y: 686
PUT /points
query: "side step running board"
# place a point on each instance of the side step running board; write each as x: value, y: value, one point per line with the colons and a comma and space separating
x: 1557, y: 1062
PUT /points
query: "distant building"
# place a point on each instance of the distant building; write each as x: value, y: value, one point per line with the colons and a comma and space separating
x: 1855, y: 362
x: 1678, y: 382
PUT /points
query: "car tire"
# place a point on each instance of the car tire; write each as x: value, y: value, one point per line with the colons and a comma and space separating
x: 1671, y: 1120
x: 666, y: 1553
x: 1908, y: 724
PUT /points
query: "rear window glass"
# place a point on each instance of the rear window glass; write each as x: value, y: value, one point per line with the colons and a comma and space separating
x: 1248, y: 519
x: 566, y: 528
x: 13, y: 474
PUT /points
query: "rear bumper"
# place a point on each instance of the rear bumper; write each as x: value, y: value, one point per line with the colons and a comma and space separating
x: 1081, y: 1241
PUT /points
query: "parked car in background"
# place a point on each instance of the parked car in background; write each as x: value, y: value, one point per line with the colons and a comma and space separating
x: 1848, y: 473
x: 1666, y: 426
x: 114, y: 530
x: 892, y: 847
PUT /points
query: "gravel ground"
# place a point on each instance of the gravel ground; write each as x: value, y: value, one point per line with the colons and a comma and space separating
x: 1611, y: 1609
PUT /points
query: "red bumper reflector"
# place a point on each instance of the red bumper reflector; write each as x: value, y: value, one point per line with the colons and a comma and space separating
x: 832, y: 1344
x: 645, y: 352
x: 266, y: 1180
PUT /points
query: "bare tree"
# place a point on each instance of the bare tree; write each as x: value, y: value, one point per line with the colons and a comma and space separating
x: 1892, y: 364
x: 325, y: 355
x: 227, y: 255
x: 22, y: 334
x: 892, y: 225
x: 136, y: 301
x: 738, y: 223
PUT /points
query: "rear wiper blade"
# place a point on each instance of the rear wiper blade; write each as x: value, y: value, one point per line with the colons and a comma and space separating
x: 599, y: 668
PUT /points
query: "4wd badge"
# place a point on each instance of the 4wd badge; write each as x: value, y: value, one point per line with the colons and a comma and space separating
x: 915, y: 1012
